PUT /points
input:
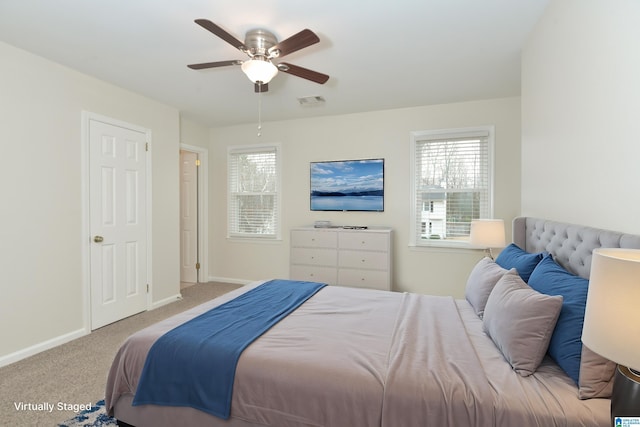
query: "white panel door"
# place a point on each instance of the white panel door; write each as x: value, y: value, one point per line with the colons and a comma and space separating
x: 188, y: 216
x: 117, y: 200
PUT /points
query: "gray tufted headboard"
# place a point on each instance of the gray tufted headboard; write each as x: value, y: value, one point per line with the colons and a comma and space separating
x: 570, y: 244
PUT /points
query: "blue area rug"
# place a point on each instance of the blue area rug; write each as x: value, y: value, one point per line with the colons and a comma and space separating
x: 94, y: 417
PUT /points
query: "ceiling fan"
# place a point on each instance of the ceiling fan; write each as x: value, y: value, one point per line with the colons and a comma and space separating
x: 262, y: 47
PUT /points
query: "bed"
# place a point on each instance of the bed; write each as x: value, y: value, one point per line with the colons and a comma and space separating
x: 356, y: 357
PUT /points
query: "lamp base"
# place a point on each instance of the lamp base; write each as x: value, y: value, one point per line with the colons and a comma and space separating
x: 625, y: 398
x: 488, y: 252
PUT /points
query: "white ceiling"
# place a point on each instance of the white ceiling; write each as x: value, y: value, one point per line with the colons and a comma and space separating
x: 379, y: 54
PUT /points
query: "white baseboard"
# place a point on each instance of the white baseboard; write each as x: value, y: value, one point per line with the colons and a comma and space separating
x: 40, y: 347
x: 63, y: 339
x: 230, y: 280
x: 158, y: 304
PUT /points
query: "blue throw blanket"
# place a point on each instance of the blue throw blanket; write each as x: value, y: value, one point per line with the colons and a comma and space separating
x: 194, y: 364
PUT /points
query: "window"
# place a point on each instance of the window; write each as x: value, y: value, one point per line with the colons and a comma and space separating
x: 451, y: 184
x: 254, y: 192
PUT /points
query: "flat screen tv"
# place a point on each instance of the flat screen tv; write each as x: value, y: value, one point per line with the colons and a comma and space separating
x: 347, y: 185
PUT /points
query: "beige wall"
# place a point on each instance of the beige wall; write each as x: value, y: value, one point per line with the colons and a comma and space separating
x: 192, y: 133
x: 383, y: 134
x: 41, y: 241
x: 580, y: 109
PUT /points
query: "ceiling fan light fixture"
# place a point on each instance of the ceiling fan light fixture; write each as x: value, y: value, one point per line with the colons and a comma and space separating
x: 259, y: 70
x: 262, y: 46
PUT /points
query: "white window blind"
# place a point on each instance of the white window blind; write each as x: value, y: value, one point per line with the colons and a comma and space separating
x: 254, y: 199
x: 452, y: 184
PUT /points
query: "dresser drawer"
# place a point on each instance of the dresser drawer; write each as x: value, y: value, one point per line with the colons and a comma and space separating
x: 314, y: 239
x: 364, y: 241
x: 314, y: 274
x: 313, y: 256
x: 371, y: 279
x: 364, y: 259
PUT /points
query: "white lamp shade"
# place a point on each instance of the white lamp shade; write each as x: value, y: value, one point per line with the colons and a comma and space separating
x: 259, y: 70
x: 611, y: 323
x: 487, y: 233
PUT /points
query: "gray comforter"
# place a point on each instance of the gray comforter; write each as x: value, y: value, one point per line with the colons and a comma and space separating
x: 353, y: 357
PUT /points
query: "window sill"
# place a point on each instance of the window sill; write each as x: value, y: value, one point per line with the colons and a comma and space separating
x: 447, y: 247
x: 259, y: 240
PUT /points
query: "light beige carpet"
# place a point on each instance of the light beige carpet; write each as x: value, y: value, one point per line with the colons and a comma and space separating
x: 76, y: 373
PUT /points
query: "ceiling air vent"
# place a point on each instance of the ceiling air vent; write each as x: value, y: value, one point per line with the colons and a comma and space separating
x: 311, y: 100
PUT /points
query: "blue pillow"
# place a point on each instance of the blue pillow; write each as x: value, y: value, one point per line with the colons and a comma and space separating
x: 565, y: 346
x: 514, y: 257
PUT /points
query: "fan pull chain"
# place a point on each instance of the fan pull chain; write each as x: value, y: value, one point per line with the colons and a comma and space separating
x: 260, y: 112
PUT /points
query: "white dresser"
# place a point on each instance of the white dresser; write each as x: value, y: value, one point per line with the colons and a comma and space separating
x: 345, y: 257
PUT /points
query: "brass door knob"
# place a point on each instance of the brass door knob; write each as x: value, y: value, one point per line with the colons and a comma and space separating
x: 98, y: 239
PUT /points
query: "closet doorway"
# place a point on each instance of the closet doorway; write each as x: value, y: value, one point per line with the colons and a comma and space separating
x: 193, y: 215
x: 116, y: 186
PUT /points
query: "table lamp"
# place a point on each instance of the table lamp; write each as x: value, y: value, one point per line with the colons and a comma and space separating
x: 611, y: 324
x: 487, y: 234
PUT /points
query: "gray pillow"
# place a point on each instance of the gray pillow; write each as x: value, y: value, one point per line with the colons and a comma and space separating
x: 520, y: 321
x: 480, y: 283
x: 596, y: 375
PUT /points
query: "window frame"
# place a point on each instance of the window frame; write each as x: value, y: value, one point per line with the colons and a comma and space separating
x: 416, y: 137
x: 255, y: 149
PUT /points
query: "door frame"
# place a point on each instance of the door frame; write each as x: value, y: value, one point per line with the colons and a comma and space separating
x: 203, y: 209
x: 85, y: 235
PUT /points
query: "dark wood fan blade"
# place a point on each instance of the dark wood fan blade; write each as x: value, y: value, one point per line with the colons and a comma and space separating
x: 261, y: 87
x: 218, y: 31
x: 296, y: 42
x: 305, y: 73
x: 205, y: 65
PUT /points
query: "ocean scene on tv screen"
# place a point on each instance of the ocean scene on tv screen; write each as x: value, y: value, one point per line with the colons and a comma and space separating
x: 350, y: 185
